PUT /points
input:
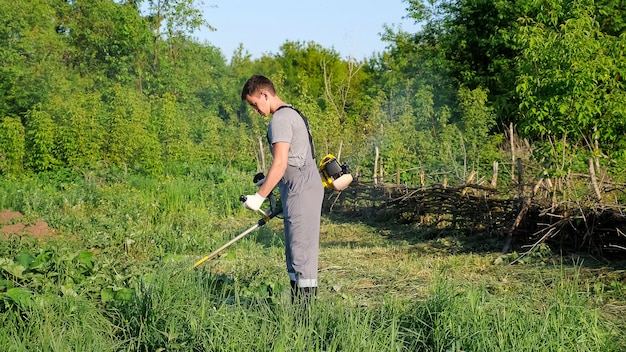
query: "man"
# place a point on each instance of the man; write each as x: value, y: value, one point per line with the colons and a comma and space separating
x: 294, y: 170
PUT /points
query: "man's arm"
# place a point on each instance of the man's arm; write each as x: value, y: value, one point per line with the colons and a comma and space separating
x: 277, y: 169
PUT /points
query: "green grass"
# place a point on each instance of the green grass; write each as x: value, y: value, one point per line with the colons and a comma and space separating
x: 118, y: 276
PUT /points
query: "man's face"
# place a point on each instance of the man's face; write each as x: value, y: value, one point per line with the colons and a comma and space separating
x: 259, y: 102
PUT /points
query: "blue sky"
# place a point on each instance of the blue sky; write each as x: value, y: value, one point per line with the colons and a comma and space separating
x: 351, y: 27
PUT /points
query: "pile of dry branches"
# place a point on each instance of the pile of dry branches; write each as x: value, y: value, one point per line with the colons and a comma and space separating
x: 524, y: 220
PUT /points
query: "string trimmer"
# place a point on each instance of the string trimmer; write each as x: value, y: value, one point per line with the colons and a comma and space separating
x: 334, y: 175
x: 270, y: 213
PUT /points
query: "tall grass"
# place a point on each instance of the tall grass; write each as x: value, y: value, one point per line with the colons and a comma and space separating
x: 148, y: 215
x: 53, y: 323
x: 472, y: 319
x: 147, y: 233
x: 178, y: 309
x: 203, y: 312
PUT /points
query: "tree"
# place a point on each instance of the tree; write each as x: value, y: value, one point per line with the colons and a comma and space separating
x: 12, y: 149
x: 472, y: 41
x: 172, y: 23
x: 319, y: 84
x: 571, y: 84
x: 31, y: 52
x: 80, y: 126
x: 173, y: 131
x: 108, y: 39
x: 477, y: 120
x: 128, y: 140
x: 40, y: 135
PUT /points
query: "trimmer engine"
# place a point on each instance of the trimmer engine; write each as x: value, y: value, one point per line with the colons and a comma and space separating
x: 333, y: 174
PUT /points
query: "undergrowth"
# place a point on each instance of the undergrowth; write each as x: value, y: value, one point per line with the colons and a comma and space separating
x: 118, y: 276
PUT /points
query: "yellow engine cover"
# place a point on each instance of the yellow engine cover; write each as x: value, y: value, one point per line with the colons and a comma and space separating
x: 330, y: 170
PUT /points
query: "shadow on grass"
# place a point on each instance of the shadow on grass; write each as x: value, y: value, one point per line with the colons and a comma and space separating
x: 445, y: 237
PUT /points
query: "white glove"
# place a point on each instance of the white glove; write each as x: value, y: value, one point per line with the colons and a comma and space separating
x: 253, y: 202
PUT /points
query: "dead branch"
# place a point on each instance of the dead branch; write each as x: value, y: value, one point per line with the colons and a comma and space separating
x: 550, y: 231
x: 474, y: 208
x: 521, y: 215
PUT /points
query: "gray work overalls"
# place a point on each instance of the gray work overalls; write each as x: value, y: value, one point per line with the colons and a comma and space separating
x: 302, y: 193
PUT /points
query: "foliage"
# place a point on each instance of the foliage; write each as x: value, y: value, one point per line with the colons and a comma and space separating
x: 40, y: 140
x: 477, y: 121
x: 107, y: 39
x: 30, y: 51
x: 12, y: 149
x: 79, y: 125
x: 571, y: 85
x: 118, y: 275
x: 130, y: 139
x: 124, y: 84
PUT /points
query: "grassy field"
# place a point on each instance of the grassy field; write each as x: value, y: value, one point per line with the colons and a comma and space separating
x: 114, y: 273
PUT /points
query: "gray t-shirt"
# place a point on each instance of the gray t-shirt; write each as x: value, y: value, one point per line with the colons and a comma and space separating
x: 287, y: 125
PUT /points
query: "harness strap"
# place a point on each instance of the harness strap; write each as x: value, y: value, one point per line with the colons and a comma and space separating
x: 308, y: 129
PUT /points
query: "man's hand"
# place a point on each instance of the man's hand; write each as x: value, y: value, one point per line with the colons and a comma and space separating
x: 253, y: 202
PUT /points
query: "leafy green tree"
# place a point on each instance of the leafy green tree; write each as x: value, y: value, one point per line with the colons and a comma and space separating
x: 40, y: 135
x: 313, y: 79
x: 477, y: 121
x: 128, y: 142
x: 299, y: 68
x: 571, y: 84
x: 31, y: 52
x: 172, y: 22
x: 173, y: 131
x: 398, y: 147
x: 12, y: 146
x: 476, y: 39
x: 179, y: 17
x: 327, y: 90
x: 108, y: 38
x: 412, y: 62
x: 80, y: 126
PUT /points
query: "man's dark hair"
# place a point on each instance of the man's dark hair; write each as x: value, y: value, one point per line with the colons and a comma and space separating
x: 256, y: 83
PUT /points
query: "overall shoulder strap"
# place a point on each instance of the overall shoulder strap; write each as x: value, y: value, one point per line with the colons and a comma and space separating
x: 306, y: 123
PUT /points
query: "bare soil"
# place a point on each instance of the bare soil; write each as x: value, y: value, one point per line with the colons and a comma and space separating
x: 11, y: 224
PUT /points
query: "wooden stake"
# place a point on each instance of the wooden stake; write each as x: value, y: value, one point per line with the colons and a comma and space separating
x: 261, y: 152
x: 527, y: 202
x: 398, y: 176
x: 494, y: 177
x: 520, y: 177
x: 512, y: 151
x: 339, y: 152
x: 594, y: 181
x: 470, y: 178
x: 376, y: 166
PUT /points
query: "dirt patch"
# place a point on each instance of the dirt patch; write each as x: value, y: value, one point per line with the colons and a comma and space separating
x: 9, y: 226
x: 7, y: 215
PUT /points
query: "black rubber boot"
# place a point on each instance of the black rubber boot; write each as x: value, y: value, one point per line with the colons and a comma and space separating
x: 294, y: 290
x: 308, y: 293
x: 305, y: 296
x: 302, y: 294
